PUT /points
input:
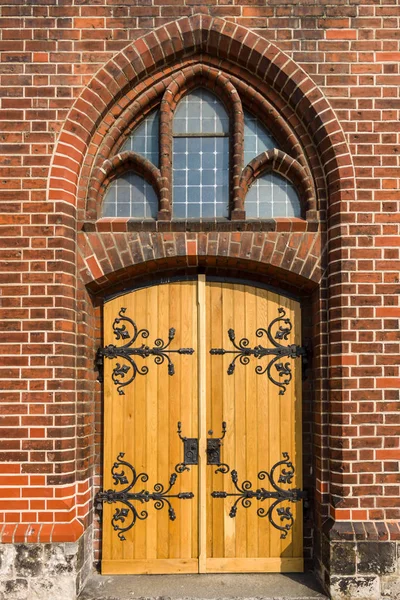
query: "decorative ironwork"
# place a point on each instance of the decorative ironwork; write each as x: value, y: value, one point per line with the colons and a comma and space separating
x: 160, y: 351
x: 160, y: 496
x: 245, y: 494
x: 244, y: 352
x: 190, y: 451
x: 214, y: 451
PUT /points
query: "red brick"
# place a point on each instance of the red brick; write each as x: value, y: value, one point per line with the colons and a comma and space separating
x: 348, y: 52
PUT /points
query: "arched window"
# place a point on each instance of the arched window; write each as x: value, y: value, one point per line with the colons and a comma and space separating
x: 129, y: 195
x: 272, y: 196
x: 200, y: 157
x: 218, y: 160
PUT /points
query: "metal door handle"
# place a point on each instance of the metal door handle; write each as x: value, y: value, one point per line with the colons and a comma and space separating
x: 190, y: 451
x: 214, y: 451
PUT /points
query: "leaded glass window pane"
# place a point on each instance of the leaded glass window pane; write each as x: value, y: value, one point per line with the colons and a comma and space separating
x: 200, y: 157
x: 272, y: 196
x: 257, y: 139
x: 201, y: 177
x: 144, y: 139
x: 130, y: 196
x: 200, y: 112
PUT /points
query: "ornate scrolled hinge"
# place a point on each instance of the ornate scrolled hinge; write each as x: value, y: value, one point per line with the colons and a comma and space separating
x: 160, y: 351
x: 160, y: 496
x: 243, y: 351
x: 245, y: 494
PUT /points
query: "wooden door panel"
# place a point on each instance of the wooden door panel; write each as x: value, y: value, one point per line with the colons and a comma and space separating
x: 142, y: 423
x: 261, y: 425
x: 140, y: 420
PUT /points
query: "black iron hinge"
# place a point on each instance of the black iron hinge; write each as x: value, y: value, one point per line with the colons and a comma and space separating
x: 126, y: 329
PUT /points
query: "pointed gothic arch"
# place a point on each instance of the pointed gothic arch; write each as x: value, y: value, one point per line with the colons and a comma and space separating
x: 234, y: 49
x: 129, y: 85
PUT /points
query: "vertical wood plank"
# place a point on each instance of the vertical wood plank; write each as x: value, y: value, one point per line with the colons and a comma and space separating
x: 223, y: 482
x: 263, y: 403
x: 109, y: 443
x: 215, y: 416
x: 275, y: 447
x: 174, y: 415
x: 186, y: 417
x: 152, y: 310
x: 163, y: 432
x: 251, y: 402
x: 240, y: 375
x: 298, y: 450
x: 202, y: 387
x: 286, y: 421
x: 210, y: 331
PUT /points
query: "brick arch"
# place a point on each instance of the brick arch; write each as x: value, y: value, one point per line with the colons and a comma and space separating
x: 243, y: 52
x: 291, y: 258
x: 183, y: 77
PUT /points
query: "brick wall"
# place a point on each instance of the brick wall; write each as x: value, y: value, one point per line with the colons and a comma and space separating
x: 332, y: 73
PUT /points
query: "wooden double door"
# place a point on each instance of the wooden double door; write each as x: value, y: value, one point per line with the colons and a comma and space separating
x: 202, y: 430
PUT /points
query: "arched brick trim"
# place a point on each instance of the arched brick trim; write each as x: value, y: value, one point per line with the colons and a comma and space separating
x: 138, y: 103
x: 236, y: 48
x: 253, y: 100
x: 279, y: 128
x: 279, y: 162
x: 121, y: 163
x: 183, y: 83
x: 292, y: 257
x: 134, y: 113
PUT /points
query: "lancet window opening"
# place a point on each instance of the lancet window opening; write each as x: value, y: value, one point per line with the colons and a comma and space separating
x: 201, y: 155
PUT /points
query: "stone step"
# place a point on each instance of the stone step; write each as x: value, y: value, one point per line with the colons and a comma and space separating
x: 252, y: 586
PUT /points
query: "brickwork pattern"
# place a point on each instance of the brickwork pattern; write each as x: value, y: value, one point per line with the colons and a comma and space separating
x: 70, y: 69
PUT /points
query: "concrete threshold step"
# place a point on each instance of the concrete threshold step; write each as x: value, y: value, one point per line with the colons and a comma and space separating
x: 253, y: 586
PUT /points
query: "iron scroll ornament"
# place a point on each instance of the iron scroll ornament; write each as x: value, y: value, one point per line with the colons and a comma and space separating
x: 160, y: 351
x: 160, y: 496
x: 245, y: 494
x: 243, y: 352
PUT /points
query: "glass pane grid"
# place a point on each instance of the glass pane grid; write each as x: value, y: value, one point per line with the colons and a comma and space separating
x: 272, y: 196
x: 201, y: 112
x: 144, y: 139
x: 130, y: 196
x: 257, y: 139
x: 201, y: 178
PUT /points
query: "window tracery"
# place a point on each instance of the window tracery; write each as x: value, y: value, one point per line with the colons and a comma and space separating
x: 201, y: 158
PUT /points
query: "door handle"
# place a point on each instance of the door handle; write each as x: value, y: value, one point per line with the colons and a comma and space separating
x: 190, y: 451
x: 214, y: 451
